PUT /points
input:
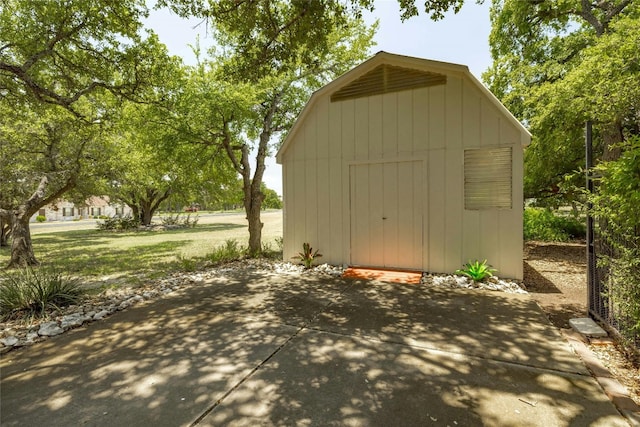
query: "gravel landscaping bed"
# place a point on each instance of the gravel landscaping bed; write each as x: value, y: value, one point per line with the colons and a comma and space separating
x: 23, y: 332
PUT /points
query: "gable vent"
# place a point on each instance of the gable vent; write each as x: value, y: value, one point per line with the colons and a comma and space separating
x: 387, y: 78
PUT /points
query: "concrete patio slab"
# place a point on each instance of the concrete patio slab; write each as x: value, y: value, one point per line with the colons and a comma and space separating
x: 290, y: 299
x: 135, y: 369
x: 251, y: 348
x: 325, y: 379
x: 495, y: 325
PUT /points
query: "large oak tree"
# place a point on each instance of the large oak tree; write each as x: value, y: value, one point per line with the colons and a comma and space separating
x: 63, y: 66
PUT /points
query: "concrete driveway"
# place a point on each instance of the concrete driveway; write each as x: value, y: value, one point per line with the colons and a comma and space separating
x: 273, y: 350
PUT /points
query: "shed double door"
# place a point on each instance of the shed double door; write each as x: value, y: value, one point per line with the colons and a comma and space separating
x: 386, y: 202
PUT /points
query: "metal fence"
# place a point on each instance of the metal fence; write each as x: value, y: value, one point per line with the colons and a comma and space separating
x: 607, y: 301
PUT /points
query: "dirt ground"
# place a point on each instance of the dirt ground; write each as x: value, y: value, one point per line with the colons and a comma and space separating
x: 556, y: 275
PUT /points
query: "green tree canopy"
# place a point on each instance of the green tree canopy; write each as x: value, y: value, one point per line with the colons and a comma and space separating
x: 64, y: 69
x: 238, y: 114
x: 556, y: 65
x: 154, y: 161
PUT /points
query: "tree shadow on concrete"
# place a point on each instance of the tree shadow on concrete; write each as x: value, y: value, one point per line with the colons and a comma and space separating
x: 255, y: 348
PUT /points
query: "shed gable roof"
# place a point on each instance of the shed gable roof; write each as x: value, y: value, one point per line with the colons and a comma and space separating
x: 387, y: 78
x: 418, y: 66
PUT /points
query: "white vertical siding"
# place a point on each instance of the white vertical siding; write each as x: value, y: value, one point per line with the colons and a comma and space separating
x: 348, y: 126
x: 435, y: 256
x: 436, y: 124
x: 390, y: 125
x: 310, y: 180
x: 455, y: 122
x: 334, y: 252
x: 471, y: 115
x: 490, y: 128
x: 374, y: 222
x: 338, y: 158
x: 323, y: 208
x: 375, y: 127
x: 361, y: 143
x: 405, y: 123
x: 453, y: 184
x: 420, y: 120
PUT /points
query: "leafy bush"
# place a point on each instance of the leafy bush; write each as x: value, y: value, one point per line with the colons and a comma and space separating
x: 269, y: 251
x: 615, y: 208
x: 478, y: 271
x: 179, y: 221
x: 230, y: 251
x: 280, y: 243
x: 35, y: 291
x: 188, y: 264
x: 307, y: 256
x: 544, y: 224
x: 41, y: 218
x: 119, y: 223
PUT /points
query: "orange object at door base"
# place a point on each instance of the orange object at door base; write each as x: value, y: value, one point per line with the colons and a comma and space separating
x: 393, y: 276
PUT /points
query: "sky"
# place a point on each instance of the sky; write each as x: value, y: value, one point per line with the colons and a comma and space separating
x: 461, y: 38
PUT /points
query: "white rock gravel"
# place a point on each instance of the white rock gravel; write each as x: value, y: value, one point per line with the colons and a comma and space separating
x: 49, y: 329
x: 17, y: 334
x: 453, y: 281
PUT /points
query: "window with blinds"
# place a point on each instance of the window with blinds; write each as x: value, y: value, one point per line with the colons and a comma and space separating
x: 487, y: 178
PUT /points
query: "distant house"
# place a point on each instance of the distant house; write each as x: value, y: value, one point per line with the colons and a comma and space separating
x: 94, y: 206
x: 405, y: 163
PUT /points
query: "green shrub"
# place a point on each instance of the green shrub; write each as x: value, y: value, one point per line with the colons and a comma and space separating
x: 280, y: 243
x: 617, y: 217
x: 188, y: 264
x: 546, y: 225
x: 119, y: 223
x: 36, y: 291
x: 230, y: 251
x: 180, y: 221
x: 41, y: 218
x: 271, y: 252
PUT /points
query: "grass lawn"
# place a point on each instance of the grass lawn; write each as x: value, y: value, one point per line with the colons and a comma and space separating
x: 128, y: 258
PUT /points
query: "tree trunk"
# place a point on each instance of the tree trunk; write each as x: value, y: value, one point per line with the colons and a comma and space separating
x: 145, y: 212
x: 135, y: 212
x: 255, y: 232
x: 21, y: 247
x: 144, y: 204
x: 255, y: 225
x: 612, y: 136
x: 5, y: 232
x: 252, y: 188
x: 253, y: 198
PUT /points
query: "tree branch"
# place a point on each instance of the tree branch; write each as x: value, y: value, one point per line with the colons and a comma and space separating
x: 226, y: 143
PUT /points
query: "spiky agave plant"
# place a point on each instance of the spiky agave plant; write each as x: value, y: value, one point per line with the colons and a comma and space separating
x: 478, y: 271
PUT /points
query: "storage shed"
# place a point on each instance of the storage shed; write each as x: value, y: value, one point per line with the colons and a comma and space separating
x: 405, y: 163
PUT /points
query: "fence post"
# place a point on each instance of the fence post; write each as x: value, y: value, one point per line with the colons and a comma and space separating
x: 592, y: 286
